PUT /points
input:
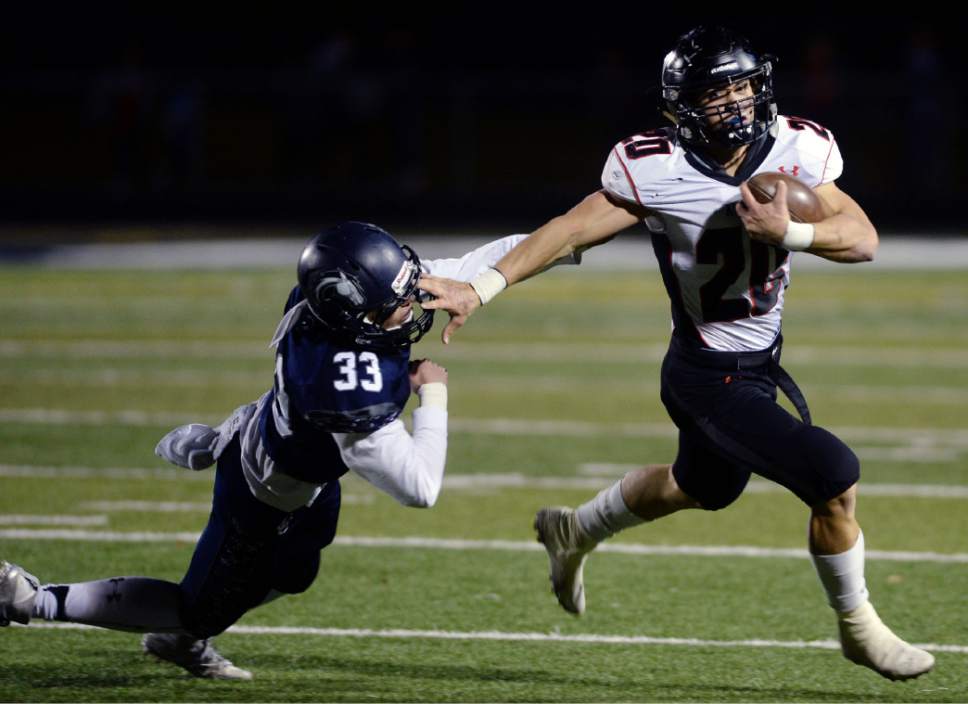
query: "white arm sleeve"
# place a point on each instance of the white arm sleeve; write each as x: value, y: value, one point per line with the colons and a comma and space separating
x: 479, y: 260
x: 408, y: 468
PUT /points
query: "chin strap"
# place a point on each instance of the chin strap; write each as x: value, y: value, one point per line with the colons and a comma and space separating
x: 288, y: 322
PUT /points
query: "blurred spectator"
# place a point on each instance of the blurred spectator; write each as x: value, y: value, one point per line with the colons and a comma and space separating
x: 822, y: 82
x: 927, y: 139
x: 121, y: 103
x: 182, y: 127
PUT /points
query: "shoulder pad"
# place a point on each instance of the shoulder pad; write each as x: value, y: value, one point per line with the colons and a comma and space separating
x: 295, y: 296
x: 639, y: 161
x: 810, y: 146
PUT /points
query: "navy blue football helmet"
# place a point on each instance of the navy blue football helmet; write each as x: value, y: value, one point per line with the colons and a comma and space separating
x: 354, y: 275
x: 707, y: 58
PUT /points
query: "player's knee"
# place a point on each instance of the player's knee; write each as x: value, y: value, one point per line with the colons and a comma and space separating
x: 297, y: 576
x: 719, y: 501
x: 840, y: 506
x: 721, y: 494
x: 205, y: 619
x: 710, y: 490
x: 835, y: 465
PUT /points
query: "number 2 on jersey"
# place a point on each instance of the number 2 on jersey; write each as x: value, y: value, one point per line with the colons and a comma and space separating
x: 370, y: 363
x: 726, y: 248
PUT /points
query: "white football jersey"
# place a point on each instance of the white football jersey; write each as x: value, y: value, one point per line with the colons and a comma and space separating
x: 726, y: 288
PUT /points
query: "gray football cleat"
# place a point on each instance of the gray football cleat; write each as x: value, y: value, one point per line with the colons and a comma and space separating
x: 190, y: 446
x: 866, y: 641
x: 18, y: 592
x: 199, y: 657
x: 567, y: 546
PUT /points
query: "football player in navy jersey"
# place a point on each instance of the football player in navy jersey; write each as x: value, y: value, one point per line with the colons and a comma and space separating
x: 343, y: 374
x: 725, y: 261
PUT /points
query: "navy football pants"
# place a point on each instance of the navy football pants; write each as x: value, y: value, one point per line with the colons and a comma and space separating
x: 730, y: 425
x: 249, y: 549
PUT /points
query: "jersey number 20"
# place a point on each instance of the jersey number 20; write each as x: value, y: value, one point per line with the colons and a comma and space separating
x: 726, y: 248
x: 363, y: 371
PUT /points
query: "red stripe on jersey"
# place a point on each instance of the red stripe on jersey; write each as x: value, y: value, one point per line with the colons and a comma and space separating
x: 628, y: 176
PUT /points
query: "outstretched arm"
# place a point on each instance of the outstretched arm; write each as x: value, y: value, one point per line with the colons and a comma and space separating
x: 595, y: 220
x: 845, y: 235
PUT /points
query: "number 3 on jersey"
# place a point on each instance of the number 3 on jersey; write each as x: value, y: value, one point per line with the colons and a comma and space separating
x: 368, y: 364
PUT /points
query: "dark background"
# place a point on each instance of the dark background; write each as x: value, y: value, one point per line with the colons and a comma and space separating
x: 500, y: 118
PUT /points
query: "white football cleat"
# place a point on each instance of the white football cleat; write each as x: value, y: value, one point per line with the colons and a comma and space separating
x: 567, y: 546
x: 866, y: 641
x: 18, y: 592
x: 199, y: 657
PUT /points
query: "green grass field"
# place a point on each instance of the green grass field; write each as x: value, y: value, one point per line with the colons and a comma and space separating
x: 554, y: 394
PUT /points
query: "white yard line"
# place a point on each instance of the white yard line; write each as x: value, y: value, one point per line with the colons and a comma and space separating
x: 183, y: 506
x: 31, y: 520
x: 516, y: 351
x: 947, y: 437
x: 422, y: 543
x: 529, y: 637
x: 953, y: 437
x: 55, y: 416
x: 147, y: 506
x: 912, y: 455
x: 40, y: 472
x: 630, y: 251
x: 149, y: 349
x: 599, y: 474
x: 113, y: 376
x: 607, y: 472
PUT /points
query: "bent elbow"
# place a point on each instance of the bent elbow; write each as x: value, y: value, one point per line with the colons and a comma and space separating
x: 422, y: 497
x: 866, y: 249
x: 420, y: 501
x: 427, y: 501
x: 429, y: 496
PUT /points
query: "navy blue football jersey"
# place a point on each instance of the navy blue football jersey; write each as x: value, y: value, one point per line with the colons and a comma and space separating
x: 323, y: 387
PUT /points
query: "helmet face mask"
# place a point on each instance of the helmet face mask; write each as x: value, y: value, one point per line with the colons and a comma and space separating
x: 354, y: 276
x: 717, y: 90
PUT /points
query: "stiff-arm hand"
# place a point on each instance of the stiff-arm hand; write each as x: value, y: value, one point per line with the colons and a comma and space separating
x: 458, y: 298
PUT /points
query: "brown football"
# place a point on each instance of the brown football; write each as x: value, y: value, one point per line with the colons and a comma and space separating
x: 804, y: 204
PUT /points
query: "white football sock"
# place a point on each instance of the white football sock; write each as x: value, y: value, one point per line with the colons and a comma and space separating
x: 842, y: 577
x: 122, y: 603
x: 606, y: 514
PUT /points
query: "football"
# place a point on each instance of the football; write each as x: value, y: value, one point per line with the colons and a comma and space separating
x: 804, y: 204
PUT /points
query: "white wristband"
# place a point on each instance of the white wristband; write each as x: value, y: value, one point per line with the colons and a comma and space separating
x: 798, y: 236
x: 434, y: 394
x: 488, y: 284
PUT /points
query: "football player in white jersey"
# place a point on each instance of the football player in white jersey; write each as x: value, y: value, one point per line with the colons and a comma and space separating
x: 725, y: 261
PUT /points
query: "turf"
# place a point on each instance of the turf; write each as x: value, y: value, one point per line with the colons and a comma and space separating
x: 95, y: 366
